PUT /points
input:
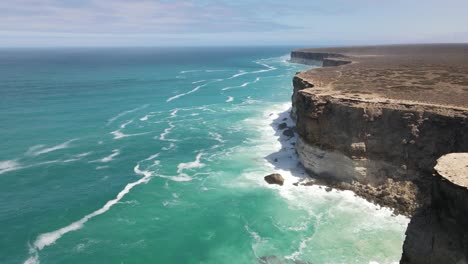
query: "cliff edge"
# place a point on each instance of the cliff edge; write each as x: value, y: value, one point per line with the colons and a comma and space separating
x: 378, y: 121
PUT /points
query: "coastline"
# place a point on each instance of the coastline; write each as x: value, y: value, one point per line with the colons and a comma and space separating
x: 384, y: 143
x: 363, y: 216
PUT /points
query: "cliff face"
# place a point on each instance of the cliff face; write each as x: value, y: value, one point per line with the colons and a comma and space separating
x: 389, y: 149
x: 325, y: 59
x: 438, y: 233
x: 385, y: 150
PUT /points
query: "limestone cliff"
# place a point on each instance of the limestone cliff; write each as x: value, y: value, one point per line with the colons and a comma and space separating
x: 384, y: 148
x: 438, y: 233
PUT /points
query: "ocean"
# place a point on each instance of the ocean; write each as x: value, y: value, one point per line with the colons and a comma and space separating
x: 157, y: 155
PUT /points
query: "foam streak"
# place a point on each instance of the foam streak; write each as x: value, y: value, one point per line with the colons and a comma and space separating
x: 50, y: 238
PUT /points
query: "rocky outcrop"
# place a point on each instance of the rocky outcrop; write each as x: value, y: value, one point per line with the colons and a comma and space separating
x: 274, y: 178
x: 385, y: 150
x: 438, y: 233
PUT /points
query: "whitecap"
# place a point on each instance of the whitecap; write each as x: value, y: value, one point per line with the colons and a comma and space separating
x: 188, y: 71
x: 174, y: 112
x: 195, y: 82
x: 268, y: 68
x: 229, y: 99
x: 124, y: 113
x: 241, y: 72
x: 109, y: 158
x: 83, y: 154
x: 242, y: 85
x: 171, y: 146
x: 216, y: 136
x: 39, y: 149
x: 118, y: 133
x: 191, y: 165
x: 47, y: 239
x: 145, y: 118
x: 192, y: 91
x: 180, y: 178
x: 153, y: 156
x: 9, y: 165
x: 166, y: 132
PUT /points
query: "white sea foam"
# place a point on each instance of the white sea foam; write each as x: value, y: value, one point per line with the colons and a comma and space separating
x: 216, y: 136
x: 192, y: 91
x: 166, y: 132
x: 198, y: 81
x: 229, y: 99
x: 242, y: 85
x: 171, y: 146
x: 241, y: 72
x: 188, y: 71
x: 70, y: 160
x: 109, y: 158
x: 77, y: 157
x: 257, y: 240
x: 12, y: 165
x: 47, y: 239
x: 125, y: 113
x: 145, y: 118
x: 180, y: 178
x: 196, y: 164
x: 191, y: 165
x: 268, y: 68
x: 40, y: 149
x: 152, y: 157
x: 174, y: 112
x: 83, y: 154
x: 9, y: 165
x: 118, y: 133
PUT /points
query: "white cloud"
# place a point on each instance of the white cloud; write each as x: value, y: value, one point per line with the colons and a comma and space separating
x: 121, y: 16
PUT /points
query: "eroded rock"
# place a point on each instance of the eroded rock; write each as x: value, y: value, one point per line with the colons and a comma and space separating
x: 274, y: 178
x: 282, y: 126
x: 289, y: 132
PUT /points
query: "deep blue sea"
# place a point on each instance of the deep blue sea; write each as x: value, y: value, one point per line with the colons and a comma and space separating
x: 157, y: 155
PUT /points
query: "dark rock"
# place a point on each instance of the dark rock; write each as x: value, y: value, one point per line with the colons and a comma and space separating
x: 274, y: 178
x: 328, y: 189
x: 289, y: 132
x: 282, y: 126
x: 276, y: 160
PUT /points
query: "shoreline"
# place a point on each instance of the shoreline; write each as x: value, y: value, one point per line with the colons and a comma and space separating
x: 299, y: 193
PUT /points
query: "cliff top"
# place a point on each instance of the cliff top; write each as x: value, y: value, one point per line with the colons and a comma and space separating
x: 429, y: 74
x: 454, y: 167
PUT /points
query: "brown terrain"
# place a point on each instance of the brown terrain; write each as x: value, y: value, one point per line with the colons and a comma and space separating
x: 391, y: 124
x: 419, y: 74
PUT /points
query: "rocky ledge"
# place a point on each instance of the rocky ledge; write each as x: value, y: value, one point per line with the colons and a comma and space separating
x: 378, y: 122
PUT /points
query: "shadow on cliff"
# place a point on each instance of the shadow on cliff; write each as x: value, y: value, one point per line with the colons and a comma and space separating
x: 286, y: 161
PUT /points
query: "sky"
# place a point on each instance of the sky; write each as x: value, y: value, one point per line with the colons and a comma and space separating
x: 51, y: 23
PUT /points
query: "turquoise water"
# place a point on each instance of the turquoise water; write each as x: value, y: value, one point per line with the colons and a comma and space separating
x: 158, y: 156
